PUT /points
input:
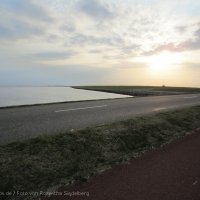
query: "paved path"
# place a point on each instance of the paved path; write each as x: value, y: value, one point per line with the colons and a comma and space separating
x: 170, y: 173
x: 30, y: 121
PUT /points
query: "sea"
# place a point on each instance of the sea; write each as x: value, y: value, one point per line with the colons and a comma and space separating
x: 16, y: 96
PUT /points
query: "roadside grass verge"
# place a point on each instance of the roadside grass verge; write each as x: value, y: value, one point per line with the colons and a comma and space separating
x: 48, y: 161
x: 141, y: 90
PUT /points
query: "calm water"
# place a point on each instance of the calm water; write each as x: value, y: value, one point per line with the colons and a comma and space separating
x: 10, y: 96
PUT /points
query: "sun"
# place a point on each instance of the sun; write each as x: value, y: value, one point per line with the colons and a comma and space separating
x: 163, y: 62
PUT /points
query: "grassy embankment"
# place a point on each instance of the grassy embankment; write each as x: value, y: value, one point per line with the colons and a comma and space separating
x: 141, y: 90
x: 47, y: 161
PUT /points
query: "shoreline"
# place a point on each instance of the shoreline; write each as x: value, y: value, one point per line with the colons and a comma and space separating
x: 52, y: 103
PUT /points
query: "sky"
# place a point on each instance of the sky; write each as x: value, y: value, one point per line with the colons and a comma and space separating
x: 100, y: 42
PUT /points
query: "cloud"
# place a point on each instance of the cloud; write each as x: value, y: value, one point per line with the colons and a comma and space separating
x: 130, y: 65
x: 182, y: 29
x: 101, y: 33
x: 82, y: 39
x: 187, y: 45
x: 191, y: 65
x: 25, y: 8
x: 43, y: 75
x: 127, y: 49
x: 190, y: 45
x: 54, y: 55
x: 22, y: 19
x: 165, y: 47
x: 19, y: 29
x: 68, y: 27
x: 95, y: 9
x: 94, y: 51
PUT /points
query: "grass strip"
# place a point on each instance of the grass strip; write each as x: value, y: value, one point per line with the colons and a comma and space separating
x: 141, y: 91
x: 47, y: 161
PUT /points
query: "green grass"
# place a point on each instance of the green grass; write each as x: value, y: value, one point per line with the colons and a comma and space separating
x: 41, y: 163
x: 141, y: 90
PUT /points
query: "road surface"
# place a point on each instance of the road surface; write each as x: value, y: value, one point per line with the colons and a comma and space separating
x: 30, y: 121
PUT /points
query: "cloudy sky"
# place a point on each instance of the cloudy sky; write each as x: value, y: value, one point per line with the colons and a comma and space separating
x: 99, y: 42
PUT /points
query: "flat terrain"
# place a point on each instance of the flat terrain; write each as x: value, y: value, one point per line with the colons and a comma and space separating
x: 47, y: 162
x: 142, y: 90
x: 26, y: 122
x: 170, y: 173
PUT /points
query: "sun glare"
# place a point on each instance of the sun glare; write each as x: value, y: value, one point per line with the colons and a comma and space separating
x: 164, y: 62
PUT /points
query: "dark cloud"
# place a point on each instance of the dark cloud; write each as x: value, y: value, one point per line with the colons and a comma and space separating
x: 95, y: 9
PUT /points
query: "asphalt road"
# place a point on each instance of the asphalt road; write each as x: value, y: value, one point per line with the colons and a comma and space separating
x: 30, y: 121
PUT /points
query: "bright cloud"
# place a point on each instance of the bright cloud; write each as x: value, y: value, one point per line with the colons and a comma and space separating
x: 53, y: 37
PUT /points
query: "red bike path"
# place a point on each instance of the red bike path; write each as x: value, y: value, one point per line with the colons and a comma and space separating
x: 169, y: 173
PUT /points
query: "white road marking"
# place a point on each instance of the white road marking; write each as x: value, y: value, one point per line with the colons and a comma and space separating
x: 73, y: 109
x: 157, y: 109
x: 190, y: 97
